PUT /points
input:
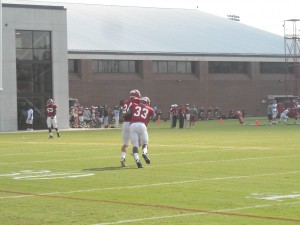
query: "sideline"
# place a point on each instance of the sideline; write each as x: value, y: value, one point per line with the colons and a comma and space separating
x: 23, y: 195
x: 223, y: 212
x: 67, y: 129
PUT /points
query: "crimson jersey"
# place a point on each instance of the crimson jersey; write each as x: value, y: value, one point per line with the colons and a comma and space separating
x: 173, y: 111
x: 141, y: 113
x: 51, y: 110
x: 126, y: 106
x: 181, y: 111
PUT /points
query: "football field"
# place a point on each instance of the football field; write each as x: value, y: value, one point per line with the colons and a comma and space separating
x: 214, y: 174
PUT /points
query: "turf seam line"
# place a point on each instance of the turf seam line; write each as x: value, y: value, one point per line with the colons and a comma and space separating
x: 159, y: 206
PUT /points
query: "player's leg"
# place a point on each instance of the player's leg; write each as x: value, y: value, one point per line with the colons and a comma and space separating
x: 54, y: 123
x: 188, y: 120
x: 126, y: 138
x: 31, y: 124
x: 144, y: 138
x: 134, y: 136
x: 117, y: 122
x: 49, y: 125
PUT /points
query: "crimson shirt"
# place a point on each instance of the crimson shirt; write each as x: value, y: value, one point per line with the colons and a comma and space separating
x: 141, y: 113
x: 126, y: 105
x: 51, y: 110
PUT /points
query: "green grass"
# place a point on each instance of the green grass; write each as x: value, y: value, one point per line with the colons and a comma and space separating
x: 213, y: 174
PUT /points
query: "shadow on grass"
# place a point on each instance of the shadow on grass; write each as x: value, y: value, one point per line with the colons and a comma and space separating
x: 110, y: 168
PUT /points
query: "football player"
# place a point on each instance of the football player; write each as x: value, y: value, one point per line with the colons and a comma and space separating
x: 80, y: 116
x: 274, y: 111
x: 284, y: 116
x: 240, y: 117
x: 187, y: 115
x: 51, y: 117
x: 140, y: 116
x: 134, y: 97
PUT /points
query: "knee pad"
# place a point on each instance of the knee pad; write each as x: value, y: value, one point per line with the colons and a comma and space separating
x: 135, y: 150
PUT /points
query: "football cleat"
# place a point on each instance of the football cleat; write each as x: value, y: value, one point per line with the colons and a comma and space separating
x: 147, y: 159
x: 50, y: 137
x: 123, y: 162
x: 58, y: 135
x: 139, y: 164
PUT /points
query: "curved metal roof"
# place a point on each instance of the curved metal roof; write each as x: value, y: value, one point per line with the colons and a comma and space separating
x: 101, y: 28
x: 123, y: 29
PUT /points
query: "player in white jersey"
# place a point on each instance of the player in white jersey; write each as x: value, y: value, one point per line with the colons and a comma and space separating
x: 274, y: 111
x: 284, y: 116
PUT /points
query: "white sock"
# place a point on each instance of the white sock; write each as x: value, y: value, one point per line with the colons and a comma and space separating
x: 123, y: 155
x: 145, y: 150
x: 136, y: 157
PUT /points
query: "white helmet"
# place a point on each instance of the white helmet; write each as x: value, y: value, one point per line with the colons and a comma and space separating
x: 50, y: 101
x: 145, y: 101
x: 134, y: 93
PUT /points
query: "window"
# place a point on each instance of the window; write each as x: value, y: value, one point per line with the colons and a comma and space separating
x: 173, y: 67
x: 73, y: 65
x: 163, y: 67
x: 24, y: 39
x: 276, y: 68
x: 33, y: 45
x: 34, y: 73
x: 114, y: 66
x: 41, y: 39
x: 228, y: 67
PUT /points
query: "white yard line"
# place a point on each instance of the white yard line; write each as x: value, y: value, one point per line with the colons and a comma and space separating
x: 195, y: 214
x: 115, y: 156
x: 280, y: 197
x: 57, y: 160
x: 202, y: 149
x: 229, y: 160
x: 156, y: 184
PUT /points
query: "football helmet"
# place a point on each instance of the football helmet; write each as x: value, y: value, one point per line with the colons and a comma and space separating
x: 145, y: 101
x: 50, y: 101
x: 134, y: 93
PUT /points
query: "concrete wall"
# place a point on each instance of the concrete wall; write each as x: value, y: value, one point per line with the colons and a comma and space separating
x: 34, y: 18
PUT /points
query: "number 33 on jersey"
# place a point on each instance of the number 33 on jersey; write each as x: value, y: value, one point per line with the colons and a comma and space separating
x: 141, y: 113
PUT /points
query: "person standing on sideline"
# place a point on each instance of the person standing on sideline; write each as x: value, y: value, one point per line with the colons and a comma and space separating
x: 173, y: 114
x: 140, y: 116
x: 269, y: 112
x: 116, y: 116
x: 274, y: 111
x: 51, y: 109
x: 29, y: 119
x: 194, y: 113
x: 187, y: 115
x: 134, y: 97
x: 105, y: 116
x: 181, y: 114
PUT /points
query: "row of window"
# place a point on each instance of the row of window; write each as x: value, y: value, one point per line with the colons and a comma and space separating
x: 114, y: 66
x: 173, y: 67
x: 181, y: 67
x: 34, y: 74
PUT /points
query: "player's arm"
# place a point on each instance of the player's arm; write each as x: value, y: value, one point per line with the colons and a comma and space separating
x: 126, y: 114
x: 54, y: 112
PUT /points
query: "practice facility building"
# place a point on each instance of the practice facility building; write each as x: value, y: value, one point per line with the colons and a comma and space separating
x: 96, y: 54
